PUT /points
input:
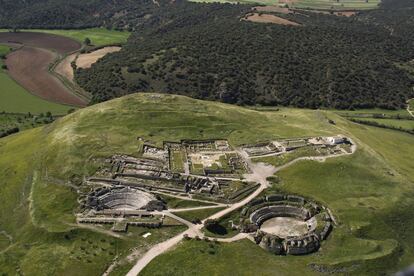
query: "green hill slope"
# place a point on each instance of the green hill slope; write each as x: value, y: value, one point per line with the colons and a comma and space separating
x: 40, y: 170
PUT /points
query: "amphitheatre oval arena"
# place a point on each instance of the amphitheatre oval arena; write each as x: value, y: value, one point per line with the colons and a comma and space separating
x: 285, y: 227
x: 287, y: 224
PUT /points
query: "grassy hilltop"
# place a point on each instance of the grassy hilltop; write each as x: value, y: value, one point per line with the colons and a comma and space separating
x: 370, y: 193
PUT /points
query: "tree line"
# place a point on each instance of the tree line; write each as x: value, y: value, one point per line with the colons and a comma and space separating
x: 205, y: 51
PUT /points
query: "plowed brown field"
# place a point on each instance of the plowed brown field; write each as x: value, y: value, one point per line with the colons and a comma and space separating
x: 29, y: 65
x: 52, y: 42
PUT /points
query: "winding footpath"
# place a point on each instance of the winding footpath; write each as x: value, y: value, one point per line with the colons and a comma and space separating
x: 259, y: 173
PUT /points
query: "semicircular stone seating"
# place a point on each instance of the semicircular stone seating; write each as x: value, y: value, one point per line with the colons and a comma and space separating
x: 125, y: 198
x: 261, y: 215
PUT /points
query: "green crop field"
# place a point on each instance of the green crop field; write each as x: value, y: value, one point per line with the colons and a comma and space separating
x: 98, y: 36
x: 403, y: 124
x: 371, y: 193
x: 373, y: 111
x: 335, y: 5
x: 15, y: 99
x: 394, y: 119
x: 310, y: 4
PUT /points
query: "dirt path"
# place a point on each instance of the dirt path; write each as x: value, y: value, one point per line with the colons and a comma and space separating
x: 64, y: 68
x: 197, y: 208
x: 186, y: 198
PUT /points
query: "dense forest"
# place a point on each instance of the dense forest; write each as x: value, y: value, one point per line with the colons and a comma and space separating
x: 205, y: 51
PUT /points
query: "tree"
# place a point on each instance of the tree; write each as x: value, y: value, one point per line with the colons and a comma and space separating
x: 87, y: 41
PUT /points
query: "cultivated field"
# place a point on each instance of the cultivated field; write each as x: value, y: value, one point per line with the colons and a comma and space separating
x: 15, y: 99
x: 29, y: 65
x: 371, y: 192
x: 86, y: 60
x: 44, y: 87
x: 395, y: 119
x: 98, y: 36
x: 57, y: 43
x: 311, y: 4
x: 30, y: 68
x: 269, y: 18
x: 331, y: 4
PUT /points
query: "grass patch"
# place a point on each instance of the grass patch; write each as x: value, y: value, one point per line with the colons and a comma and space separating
x: 197, y: 215
x: 244, y: 258
x: 22, y: 121
x: 399, y: 124
x: 177, y: 158
x: 225, y: 223
x: 175, y: 203
x: 282, y: 159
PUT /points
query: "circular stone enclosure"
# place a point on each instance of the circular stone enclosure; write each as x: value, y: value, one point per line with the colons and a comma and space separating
x: 285, y: 227
x: 284, y: 220
x: 287, y: 224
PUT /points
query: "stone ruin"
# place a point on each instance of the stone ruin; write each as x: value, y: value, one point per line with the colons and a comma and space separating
x: 123, y: 198
x: 153, y: 172
x: 285, y: 145
x: 316, y: 218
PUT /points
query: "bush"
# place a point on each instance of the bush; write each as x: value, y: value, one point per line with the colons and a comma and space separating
x: 215, y: 227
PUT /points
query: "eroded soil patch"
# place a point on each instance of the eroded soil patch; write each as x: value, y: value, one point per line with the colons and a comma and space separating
x: 86, y: 60
x: 269, y: 18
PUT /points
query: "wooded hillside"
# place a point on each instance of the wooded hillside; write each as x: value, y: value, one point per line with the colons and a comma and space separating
x: 206, y: 51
